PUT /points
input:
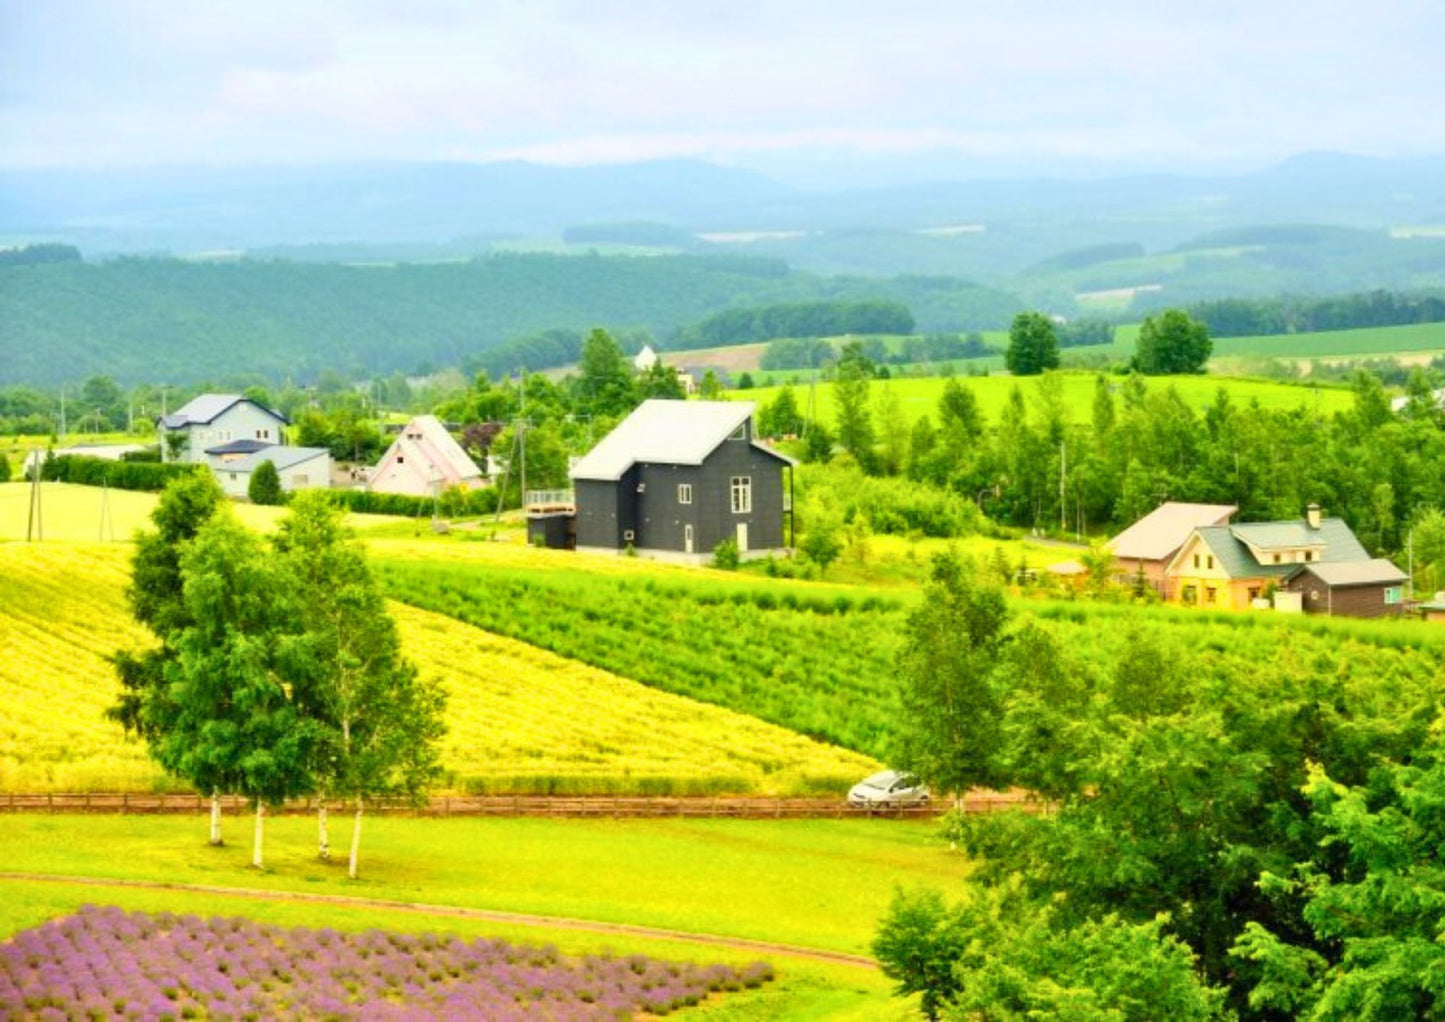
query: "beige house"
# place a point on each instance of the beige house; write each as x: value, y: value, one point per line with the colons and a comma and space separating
x: 1151, y: 543
x: 423, y: 461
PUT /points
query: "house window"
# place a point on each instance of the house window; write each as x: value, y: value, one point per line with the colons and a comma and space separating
x: 641, y: 487
x: 1211, y: 594
x: 1276, y: 558
x: 1210, y: 559
x: 1253, y: 593
x: 263, y: 434
x: 741, y: 433
x: 742, y: 491
x: 298, y: 481
x: 233, y: 477
x: 628, y: 535
x: 1189, y: 594
x: 1309, y: 555
x: 684, y: 493
x: 1393, y: 594
x: 1196, y: 560
x: 401, y: 459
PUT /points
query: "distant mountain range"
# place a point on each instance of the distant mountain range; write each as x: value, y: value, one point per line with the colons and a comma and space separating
x: 439, y: 209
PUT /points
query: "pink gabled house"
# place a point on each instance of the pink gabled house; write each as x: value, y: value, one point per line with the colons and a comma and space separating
x: 423, y: 460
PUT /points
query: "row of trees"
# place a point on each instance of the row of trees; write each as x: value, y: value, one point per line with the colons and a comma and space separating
x: 1245, y: 317
x: 798, y: 319
x: 1170, y: 343
x: 277, y: 671
x: 1260, y: 843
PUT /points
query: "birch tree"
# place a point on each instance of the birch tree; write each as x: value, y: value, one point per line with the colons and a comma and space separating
x: 146, y: 707
x: 377, y: 722
x: 234, y: 714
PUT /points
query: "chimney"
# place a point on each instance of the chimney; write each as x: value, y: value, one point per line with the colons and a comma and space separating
x: 1312, y: 515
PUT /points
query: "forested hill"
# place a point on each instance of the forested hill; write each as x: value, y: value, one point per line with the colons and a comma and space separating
x: 178, y: 321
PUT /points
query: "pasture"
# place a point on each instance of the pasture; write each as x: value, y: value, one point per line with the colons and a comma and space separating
x: 919, y: 397
x: 521, y: 720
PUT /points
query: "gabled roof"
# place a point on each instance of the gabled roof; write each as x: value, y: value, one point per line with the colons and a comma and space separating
x: 246, y: 445
x: 645, y: 359
x: 662, y: 432
x: 1165, y: 529
x: 428, y: 446
x: 1333, y: 539
x: 209, y: 407
x: 1376, y: 571
x: 281, y: 457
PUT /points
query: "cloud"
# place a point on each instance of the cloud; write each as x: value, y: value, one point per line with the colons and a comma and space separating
x: 140, y: 82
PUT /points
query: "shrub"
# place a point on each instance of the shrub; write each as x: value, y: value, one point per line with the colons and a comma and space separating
x: 122, y: 475
x: 265, y: 485
x: 725, y: 555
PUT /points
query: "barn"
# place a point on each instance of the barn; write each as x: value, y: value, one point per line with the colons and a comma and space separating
x: 676, y: 478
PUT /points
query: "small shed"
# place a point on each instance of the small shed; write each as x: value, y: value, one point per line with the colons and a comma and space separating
x: 1434, y: 610
x: 1372, y: 588
x: 300, y: 468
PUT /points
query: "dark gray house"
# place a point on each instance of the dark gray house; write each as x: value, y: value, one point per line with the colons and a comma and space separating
x: 676, y: 478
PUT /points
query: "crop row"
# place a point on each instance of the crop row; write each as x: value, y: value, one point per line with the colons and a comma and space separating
x: 520, y: 720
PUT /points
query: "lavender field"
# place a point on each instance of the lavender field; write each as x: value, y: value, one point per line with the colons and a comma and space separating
x: 108, y: 963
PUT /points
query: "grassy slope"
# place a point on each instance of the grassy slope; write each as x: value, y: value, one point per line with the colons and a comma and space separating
x: 521, y: 719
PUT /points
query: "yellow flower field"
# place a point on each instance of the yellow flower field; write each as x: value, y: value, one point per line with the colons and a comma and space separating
x: 521, y: 719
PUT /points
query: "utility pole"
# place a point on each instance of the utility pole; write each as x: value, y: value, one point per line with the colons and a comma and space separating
x: 1410, y: 555
x: 35, y: 527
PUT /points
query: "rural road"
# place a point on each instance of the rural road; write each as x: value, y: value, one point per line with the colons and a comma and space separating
x: 460, y: 912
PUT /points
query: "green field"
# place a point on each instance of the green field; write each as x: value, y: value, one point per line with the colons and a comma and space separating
x: 813, y: 884
x: 920, y: 396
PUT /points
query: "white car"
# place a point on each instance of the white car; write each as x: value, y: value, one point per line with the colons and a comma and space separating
x: 887, y: 790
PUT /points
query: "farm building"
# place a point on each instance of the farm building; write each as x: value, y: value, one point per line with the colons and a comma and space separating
x: 1237, y: 566
x: 1434, y: 610
x: 1151, y: 543
x: 300, y: 468
x: 676, y: 478
x: 213, y: 419
x: 423, y: 460
x: 1372, y: 588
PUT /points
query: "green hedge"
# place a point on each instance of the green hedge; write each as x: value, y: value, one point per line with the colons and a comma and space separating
x: 122, y: 475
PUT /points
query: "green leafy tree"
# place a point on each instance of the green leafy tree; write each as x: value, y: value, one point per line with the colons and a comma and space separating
x: 376, y: 723
x: 606, y: 380
x: 1428, y: 540
x: 265, y: 485
x: 893, y: 429
x: 781, y: 416
x: 1033, y: 345
x: 725, y: 555
x: 950, y: 727
x: 4, y: 468
x: 817, y: 444
x: 711, y: 388
x: 660, y: 380
x: 146, y: 706
x: 1172, y: 342
x: 822, y: 543
x: 230, y: 710
x: 850, y: 395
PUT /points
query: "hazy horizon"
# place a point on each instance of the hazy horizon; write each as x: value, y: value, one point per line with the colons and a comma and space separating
x: 809, y: 94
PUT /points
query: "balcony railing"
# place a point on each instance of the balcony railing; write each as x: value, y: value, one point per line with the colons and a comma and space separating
x: 537, y: 502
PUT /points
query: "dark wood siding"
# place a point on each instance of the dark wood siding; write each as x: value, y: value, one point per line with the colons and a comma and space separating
x: 1341, y: 601
x: 606, y: 511
x: 716, y: 520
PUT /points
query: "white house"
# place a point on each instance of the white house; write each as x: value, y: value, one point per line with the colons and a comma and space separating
x: 214, y: 419
x: 423, y: 460
x: 300, y: 468
x: 645, y: 359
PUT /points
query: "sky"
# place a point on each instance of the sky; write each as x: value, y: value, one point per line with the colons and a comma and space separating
x: 808, y: 92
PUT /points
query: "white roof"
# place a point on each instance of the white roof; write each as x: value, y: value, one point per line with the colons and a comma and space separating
x: 646, y: 358
x: 281, y: 457
x: 437, y: 447
x: 1346, y: 573
x: 665, y: 433
x: 1162, y: 531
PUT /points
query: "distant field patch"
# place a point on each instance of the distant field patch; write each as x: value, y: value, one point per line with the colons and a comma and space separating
x: 920, y: 396
x: 1367, y: 342
x: 520, y: 719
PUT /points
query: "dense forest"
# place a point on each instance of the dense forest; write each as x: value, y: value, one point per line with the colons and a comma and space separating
x: 163, y: 319
x: 1245, y: 317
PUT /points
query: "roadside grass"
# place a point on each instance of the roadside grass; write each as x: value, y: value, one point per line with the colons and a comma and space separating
x: 803, y: 989
x: 811, y: 883
x: 521, y: 720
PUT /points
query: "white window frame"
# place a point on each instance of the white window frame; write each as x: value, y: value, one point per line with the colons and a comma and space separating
x: 741, y: 490
x: 684, y: 493
x: 1398, y: 594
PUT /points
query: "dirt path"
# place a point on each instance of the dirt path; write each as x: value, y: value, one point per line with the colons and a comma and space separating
x: 461, y: 912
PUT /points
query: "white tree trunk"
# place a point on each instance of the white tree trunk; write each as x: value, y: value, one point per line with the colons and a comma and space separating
x: 355, y: 840
x: 323, y: 838
x: 260, y: 823
x: 216, y: 818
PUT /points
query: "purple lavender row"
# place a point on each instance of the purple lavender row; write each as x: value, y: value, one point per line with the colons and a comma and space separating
x: 106, y: 963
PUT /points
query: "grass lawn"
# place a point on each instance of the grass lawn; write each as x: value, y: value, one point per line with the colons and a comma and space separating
x: 803, y: 989
x: 811, y: 883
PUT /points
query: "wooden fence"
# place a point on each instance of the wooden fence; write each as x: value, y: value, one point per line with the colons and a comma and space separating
x: 517, y: 805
